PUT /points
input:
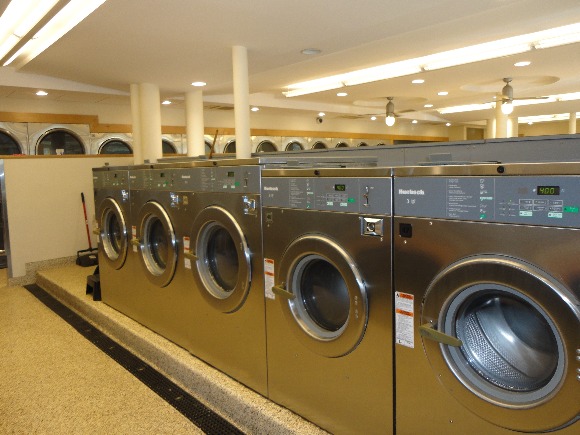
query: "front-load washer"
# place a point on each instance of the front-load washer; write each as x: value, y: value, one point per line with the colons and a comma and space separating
x: 224, y: 263
x: 50, y: 139
x: 111, y: 143
x: 327, y: 249
x: 294, y: 143
x: 265, y: 144
x: 113, y: 217
x: 318, y: 144
x: 487, y: 289
x: 157, y: 297
x: 13, y: 138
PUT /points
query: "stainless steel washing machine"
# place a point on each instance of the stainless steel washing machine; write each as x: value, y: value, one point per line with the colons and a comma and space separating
x: 487, y: 289
x: 223, y: 261
x: 13, y: 138
x: 327, y: 268
x: 113, y: 216
x: 111, y: 143
x: 50, y: 139
x: 156, y: 295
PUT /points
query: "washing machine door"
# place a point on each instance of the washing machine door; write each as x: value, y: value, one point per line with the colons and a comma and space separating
x: 113, y: 232
x: 323, y: 296
x: 222, y: 268
x: 503, y: 338
x: 157, y: 244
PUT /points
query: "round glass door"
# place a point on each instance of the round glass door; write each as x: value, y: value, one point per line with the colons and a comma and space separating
x: 323, y: 296
x: 113, y: 232
x: 515, y: 330
x: 223, y: 269
x: 157, y: 244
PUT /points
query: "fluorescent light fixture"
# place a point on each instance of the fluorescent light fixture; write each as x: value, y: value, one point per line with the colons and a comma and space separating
x: 474, y: 53
x: 198, y: 84
x: 65, y: 20
x: 465, y: 108
x: 545, y: 118
x: 18, y: 19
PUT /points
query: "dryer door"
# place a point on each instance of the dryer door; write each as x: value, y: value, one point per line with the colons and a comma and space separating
x: 222, y: 269
x: 157, y: 244
x: 503, y: 338
x: 323, y: 296
x: 114, y: 236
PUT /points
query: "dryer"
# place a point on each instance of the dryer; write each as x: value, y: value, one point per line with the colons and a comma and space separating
x: 223, y: 262
x: 341, y: 143
x: 327, y: 249
x: 111, y: 143
x: 114, y: 220
x: 47, y: 139
x: 293, y: 144
x: 265, y: 144
x: 487, y: 296
x: 13, y: 138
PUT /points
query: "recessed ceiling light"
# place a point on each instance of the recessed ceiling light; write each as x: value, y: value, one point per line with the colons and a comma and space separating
x: 530, y: 123
x: 442, y: 93
x: 341, y: 94
x: 428, y: 106
x: 311, y: 51
x: 321, y: 114
x: 414, y: 121
x: 166, y: 102
x: 448, y: 124
x: 418, y: 81
x: 42, y: 93
x: 523, y: 63
x: 198, y: 84
x: 255, y: 109
x: 373, y: 118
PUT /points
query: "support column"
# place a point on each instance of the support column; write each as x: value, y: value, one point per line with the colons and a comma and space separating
x: 241, y: 101
x: 572, y: 123
x: 490, y: 129
x: 194, y: 123
x: 150, y: 118
x: 500, y: 121
x: 136, y: 125
x: 512, y: 127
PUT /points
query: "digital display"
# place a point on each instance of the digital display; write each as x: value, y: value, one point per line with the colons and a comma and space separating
x: 231, y: 174
x: 340, y: 187
x: 548, y: 190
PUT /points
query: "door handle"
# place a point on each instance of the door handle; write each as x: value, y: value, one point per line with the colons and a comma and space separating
x: 282, y: 292
x: 190, y: 255
x: 428, y: 331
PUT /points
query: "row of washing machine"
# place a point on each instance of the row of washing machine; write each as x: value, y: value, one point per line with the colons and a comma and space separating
x: 437, y: 299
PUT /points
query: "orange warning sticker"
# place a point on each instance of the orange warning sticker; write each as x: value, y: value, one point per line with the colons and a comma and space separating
x: 269, y: 278
x: 404, y: 319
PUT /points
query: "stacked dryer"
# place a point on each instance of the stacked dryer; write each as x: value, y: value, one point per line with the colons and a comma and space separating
x: 327, y: 249
x: 487, y: 302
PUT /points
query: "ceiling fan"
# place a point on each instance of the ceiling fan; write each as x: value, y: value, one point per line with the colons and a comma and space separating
x: 507, y: 97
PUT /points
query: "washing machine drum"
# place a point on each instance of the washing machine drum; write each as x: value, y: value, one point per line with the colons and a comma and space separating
x: 322, y: 295
x: 113, y: 232
x: 502, y: 336
x: 157, y: 244
x: 222, y: 269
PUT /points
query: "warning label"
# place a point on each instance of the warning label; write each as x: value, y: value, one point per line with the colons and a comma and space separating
x: 269, y: 278
x: 185, y: 244
x: 404, y: 319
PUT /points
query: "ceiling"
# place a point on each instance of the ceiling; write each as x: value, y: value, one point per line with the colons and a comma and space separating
x: 175, y: 42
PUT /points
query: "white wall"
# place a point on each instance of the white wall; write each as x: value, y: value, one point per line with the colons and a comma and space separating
x: 43, y: 202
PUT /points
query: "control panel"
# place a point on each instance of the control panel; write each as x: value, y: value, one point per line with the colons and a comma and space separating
x: 532, y: 200
x: 114, y: 180
x: 349, y: 195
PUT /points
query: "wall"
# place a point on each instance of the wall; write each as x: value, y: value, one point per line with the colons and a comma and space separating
x: 43, y: 203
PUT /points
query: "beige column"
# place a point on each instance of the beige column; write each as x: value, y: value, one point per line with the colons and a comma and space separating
x: 150, y: 118
x: 136, y: 125
x: 500, y: 121
x: 241, y: 101
x: 572, y: 123
x: 490, y: 129
x: 194, y: 123
x: 512, y: 127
